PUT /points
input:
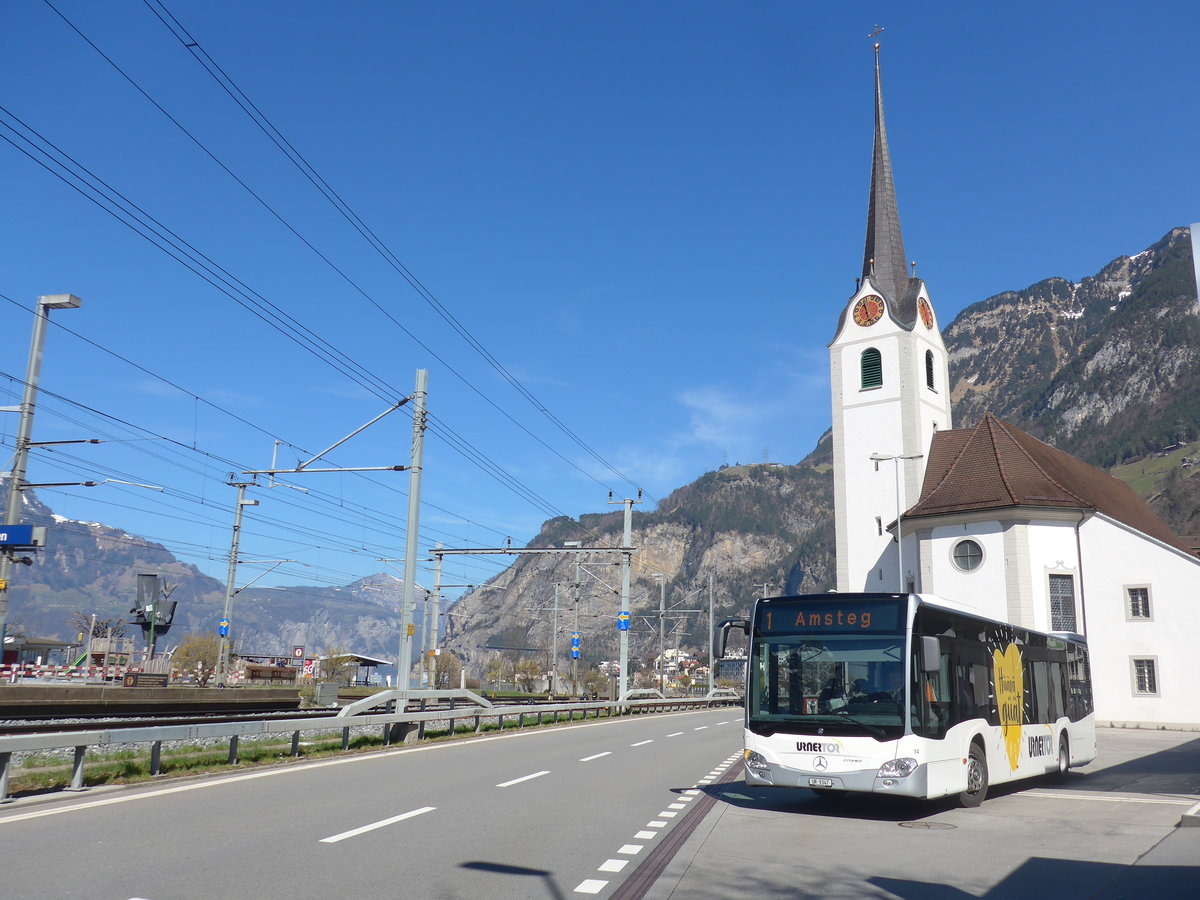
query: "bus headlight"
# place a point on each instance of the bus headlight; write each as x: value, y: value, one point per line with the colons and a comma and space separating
x: 898, y: 768
x: 755, y: 761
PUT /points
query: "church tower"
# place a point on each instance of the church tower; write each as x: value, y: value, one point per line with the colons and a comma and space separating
x: 891, y: 391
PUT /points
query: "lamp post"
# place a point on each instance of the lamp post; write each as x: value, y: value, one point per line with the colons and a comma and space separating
x: 662, y: 612
x: 878, y: 458
x: 16, y: 476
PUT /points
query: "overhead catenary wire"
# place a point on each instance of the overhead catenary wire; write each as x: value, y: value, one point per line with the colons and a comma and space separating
x: 260, y: 119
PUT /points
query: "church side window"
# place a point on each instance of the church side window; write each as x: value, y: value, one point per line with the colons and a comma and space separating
x: 968, y: 555
x: 1137, y: 603
x: 929, y: 370
x: 1062, y: 603
x: 872, y: 369
x: 1145, y: 676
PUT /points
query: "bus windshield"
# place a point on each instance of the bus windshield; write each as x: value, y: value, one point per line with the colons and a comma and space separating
x: 843, y: 677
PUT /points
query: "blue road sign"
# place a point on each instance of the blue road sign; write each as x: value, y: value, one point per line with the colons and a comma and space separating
x: 623, y: 621
x: 574, y: 653
x: 16, y: 535
x: 223, y: 628
x: 575, y: 639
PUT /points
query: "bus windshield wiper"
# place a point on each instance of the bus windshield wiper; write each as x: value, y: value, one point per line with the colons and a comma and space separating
x: 872, y: 729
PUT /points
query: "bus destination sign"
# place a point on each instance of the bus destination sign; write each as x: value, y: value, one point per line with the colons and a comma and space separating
x: 848, y: 616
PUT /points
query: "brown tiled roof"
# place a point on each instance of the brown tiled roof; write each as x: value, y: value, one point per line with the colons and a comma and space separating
x: 996, y: 465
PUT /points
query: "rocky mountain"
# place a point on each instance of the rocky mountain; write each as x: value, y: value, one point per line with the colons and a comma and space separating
x: 92, y: 568
x: 1107, y: 369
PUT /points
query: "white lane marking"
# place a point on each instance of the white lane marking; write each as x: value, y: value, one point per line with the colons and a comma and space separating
x: 646, y: 835
x: 1116, y: 798
x: 355, y: 832
x: 677, y: 806
x: 524, y: 778
x: 705, y: 781
x: 613, y: 865
x: 691, y: 793
x: 591, y: 886
x: 722, y: 723
x: 656, y: 823
x: 701, y: 728
x: 668, y: 814
x: 641, y: 743
x: 675, y: 734
x: 596, y: 756
x: 631, y: 849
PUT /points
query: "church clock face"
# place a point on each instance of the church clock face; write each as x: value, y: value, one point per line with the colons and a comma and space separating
x: 926, y: 312
x: 868, y: 310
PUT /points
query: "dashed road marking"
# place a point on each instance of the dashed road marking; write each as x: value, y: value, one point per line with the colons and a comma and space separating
x: 596, y: 756
x: 355, y: 832
x: 641, y: 743
x: 613, y: 865
x: 590, y: 886
x: 505, y: 784
x: 631, y: 849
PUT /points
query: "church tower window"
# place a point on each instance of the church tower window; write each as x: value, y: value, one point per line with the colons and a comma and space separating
x: 929, y: 370
x: 872, y: 369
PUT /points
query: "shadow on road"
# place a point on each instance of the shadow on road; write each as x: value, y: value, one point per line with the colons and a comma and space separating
x: 1040, y: 877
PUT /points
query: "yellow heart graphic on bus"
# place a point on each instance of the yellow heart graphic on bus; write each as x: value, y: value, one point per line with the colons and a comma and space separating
x: 1010, y: 697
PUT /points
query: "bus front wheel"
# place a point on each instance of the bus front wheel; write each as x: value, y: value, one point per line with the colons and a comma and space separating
x: 977, y: 778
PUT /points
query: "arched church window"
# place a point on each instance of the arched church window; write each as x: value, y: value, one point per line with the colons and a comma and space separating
x: 872, y: 368
x: 929, y: 369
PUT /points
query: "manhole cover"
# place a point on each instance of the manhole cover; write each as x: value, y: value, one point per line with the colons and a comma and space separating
x: 928, y: 826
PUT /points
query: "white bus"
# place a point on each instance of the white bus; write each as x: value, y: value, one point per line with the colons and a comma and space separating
x: 904, y: 694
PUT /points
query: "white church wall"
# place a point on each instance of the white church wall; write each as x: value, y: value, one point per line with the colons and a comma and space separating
x: 1116, y: 558
x: 983, y: 588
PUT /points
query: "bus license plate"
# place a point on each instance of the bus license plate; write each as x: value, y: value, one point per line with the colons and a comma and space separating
x: 820, y: 782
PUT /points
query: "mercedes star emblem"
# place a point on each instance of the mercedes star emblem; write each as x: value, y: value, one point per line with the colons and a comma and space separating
x: 820, y: 764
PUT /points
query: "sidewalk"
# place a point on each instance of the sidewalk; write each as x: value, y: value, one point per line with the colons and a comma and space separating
x: 1032, y: 840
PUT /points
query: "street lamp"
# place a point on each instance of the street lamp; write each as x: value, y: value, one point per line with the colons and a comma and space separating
x: 878, y: 458
x: 16, y: 476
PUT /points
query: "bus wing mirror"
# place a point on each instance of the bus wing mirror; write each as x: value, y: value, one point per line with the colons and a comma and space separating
x: 931, y: 654
x: 743, y: 625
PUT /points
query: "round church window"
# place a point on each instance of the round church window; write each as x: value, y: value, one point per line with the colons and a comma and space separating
x: 968, y: 555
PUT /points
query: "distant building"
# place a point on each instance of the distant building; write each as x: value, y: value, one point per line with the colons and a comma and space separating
x: 990, y: 516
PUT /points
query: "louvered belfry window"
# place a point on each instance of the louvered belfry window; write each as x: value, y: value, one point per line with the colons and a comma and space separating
x: 929, y: 369
x: 1062, y: 603
x: 872, y: 368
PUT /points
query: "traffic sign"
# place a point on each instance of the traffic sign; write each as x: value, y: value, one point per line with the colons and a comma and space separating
x: 297, y: 652
x: 623, y: 620
x: 575, y: 639
x: 223, y: 628
x: 574, y: 653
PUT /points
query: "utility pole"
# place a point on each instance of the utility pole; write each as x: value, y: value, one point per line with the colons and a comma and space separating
x: 662, y: 613
x: 711, y: 661
x: 404, y: 660
x: 575, y: 656
x: 431, y: 626
x: 16, y: 476
x: 626, y: 553
x: 231, y: 579
x: 554, y: 643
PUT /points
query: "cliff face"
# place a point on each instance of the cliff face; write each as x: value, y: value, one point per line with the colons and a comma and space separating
x: 732, y: 529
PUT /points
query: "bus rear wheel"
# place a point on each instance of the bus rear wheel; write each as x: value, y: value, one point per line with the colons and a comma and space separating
x: 977, y: 778
x: 1064, y: 760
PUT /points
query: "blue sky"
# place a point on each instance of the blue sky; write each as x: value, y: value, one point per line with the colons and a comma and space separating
x: 649, y: 214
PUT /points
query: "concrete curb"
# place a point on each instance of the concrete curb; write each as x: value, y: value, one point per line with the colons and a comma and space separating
x: 1191, y: 818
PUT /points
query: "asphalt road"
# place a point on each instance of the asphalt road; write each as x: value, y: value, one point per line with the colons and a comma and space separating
x: 553, y: 812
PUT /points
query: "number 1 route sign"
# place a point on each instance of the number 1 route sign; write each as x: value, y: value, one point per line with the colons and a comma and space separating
x: 623, y: 621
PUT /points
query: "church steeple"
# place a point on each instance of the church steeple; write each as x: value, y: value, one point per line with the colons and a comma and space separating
x: 883, y: 258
